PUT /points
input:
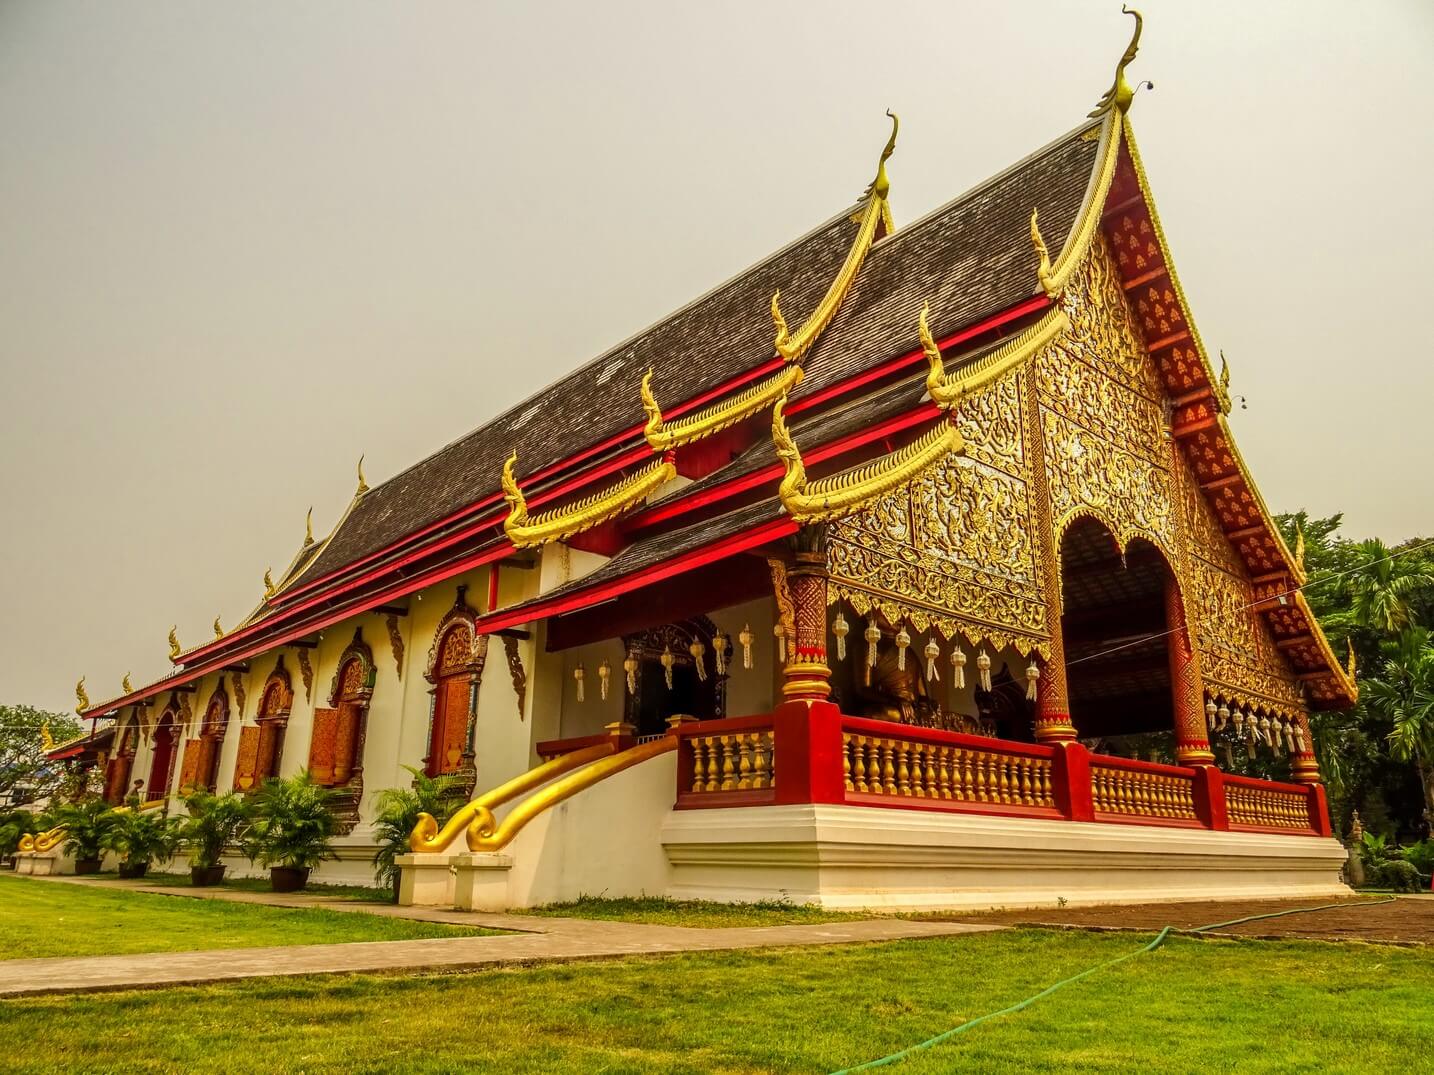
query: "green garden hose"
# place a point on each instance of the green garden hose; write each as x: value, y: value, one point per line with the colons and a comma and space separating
x: 1160, y: 938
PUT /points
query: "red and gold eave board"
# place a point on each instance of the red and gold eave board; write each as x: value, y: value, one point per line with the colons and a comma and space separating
x: 1132, y: 227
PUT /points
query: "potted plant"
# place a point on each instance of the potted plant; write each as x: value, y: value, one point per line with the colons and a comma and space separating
x: 291, y: 829
x: 397, y: 814
x: 141, y: 838
x: 214, y: 822
x: 87, y: 825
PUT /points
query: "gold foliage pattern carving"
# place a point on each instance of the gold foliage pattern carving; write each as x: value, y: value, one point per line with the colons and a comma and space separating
x: 953, y: 550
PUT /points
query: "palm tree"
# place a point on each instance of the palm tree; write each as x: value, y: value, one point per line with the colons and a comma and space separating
x: 1382, y: 585
x: 1403, y: 694
x: 397, y: 812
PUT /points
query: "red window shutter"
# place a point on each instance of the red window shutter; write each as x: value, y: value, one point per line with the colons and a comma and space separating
x: 322, y: 745
x: 246, y: 766
x: 189, y: 769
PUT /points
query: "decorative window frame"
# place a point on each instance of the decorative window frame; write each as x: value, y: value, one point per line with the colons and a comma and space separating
x: 280, y: 676
x: 461, y: 613
x: 357, y: 650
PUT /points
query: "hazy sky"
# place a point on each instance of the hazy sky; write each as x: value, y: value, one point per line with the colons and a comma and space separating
x: 242, y: 243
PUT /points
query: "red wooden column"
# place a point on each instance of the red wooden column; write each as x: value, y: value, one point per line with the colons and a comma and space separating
x: 1303, y: 764
x: 808, y: 678
x: 1192, y: 743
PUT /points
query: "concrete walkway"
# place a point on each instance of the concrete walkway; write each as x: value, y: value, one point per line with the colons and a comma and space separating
x: 542, y: 940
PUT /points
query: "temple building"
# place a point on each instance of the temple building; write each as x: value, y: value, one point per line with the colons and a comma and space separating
x: 914, y: 566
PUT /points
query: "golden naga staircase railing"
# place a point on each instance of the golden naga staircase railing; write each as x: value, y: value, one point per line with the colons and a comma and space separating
x: 41, y: 843
x: 578, y: 770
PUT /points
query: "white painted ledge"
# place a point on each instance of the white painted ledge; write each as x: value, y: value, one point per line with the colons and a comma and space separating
x: 870, y: 857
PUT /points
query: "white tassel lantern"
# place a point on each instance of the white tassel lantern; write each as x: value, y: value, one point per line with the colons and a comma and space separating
x: 1210, y: 713
x: 1239, y: 724
x: 840, y: 628
x: 958, y: 668
x: 746, y: 638
x: 604, y: 677
x: 903, y: 642
x: 629, y: 668
x: 983, y: 670
x: 1299, y: 739
x: 579, y: 675
x: 698, y: 651
x: 668, y: 659
x: 719, y: 654
x: 1224, y: 714
x: 779, y: 632
x: 1033, y: 677
x: 932, y: 651
x: 872, y: 634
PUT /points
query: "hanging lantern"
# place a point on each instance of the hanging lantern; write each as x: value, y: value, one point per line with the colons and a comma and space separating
x: 932, y: 651
x: 903, y: 642
x: 983, y: 670
x: 1289, y: 735
x: 1239, y: 724
x: 668, y: 659
x: 604, y: 675
x: 958, y: 668
x: 1210, y: 713
x: 746, y: 637
x: 719, y: 653
x: 698, y: 650
x: 779, y: 632
x: 1033, y: 676
x: 579, y: 675
x: 1299, y: 738
x: 873, y: 640
x: 841, y: 629
x: 629, y: 666
x: 1224, y: 714
x: 1266, y: 732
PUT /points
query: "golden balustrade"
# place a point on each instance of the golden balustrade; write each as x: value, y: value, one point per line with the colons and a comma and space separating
x: 1142, y: 792
x: 736, y: 761
x: 918, y: 769
x: 1263, y: 806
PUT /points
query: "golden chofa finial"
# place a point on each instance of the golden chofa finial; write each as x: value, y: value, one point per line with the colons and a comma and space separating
x: 1349, y: 667
x: 268, y: 583
x: 1121, y: 92
x: 127, y: 686
x: 1044, y: 272
x: 175, y: 649
x: 649, y: 403
x: 881, y: 186
x: 362, y: 484
x: 1299, y: 548
x: 81, y: 697
x: 512, y: 494
x: 309, y: 528
x: 943, y: 395
x: 218, y: 631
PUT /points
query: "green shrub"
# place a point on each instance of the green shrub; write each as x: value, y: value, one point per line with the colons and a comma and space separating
x: 214, y: 822
x: 88, y: 825
x: 397, y: 814
x: 292, y: 823
x: 1421, y: 856
x: 1373, y: 849
x: 143, y: 838
x: 1395, y: 874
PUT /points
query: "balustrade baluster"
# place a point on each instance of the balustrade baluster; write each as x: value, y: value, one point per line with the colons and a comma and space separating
x: 744, y: 761
x: 729, y: 769
x: 943, y: 769
x: 888, y: 770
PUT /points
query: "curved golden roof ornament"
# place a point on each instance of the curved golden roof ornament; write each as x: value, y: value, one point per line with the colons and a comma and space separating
x: 525, y: 531
x: 818, y: 500
x: 218, y: 631
x: 126, y: 685
x: 945, y: 394
x: 362, y: 483
x: 81, y: 697
x: 47, y: 741
x: 1299, y: 548
x: 175, y: 649
x: 1221, y: 390
x: 663, y: 435
x: 309, y: 527
x: 269, y: 587
x: 1043, y: 257
x: 1121, y: 92
x: 948, y: 388
x: 1349, y: 667
x: 792, y: 346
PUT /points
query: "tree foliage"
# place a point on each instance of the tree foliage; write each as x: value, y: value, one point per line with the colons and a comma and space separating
x: 1378, y: 600
x: 23, y: 765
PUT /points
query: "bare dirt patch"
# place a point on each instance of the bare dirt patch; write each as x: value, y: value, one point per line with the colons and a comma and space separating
x: 1404, y: 921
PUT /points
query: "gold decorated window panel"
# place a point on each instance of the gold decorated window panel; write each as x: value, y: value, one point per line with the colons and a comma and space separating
x: 951, y: 551
x: 991, y: 423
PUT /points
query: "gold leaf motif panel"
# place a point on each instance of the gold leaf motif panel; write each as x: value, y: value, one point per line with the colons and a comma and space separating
x: 991, y: 422
x: 1104, y: 334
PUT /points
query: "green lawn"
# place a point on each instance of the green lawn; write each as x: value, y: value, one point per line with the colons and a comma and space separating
x: 258, y: 884
x: 658, y: 911
x: 52, y: 918
x: 1193, y: 1005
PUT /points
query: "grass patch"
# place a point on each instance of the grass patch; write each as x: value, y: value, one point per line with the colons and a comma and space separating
x: 660, y: 911
x: 50, y: 918
x: 1189, y: 1006
x: 360, y: 893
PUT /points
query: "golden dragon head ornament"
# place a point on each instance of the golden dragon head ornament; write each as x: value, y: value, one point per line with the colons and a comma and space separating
x: 944, y: 395
x: 649, y: 405
x: 81, y: 696
x: 269, y: 587
x: 1121, y: 92
x: 47, y: 741
x: 175, y: 649
x: 126, y: 685
x: 218, y: 630
x: 309, y: 528
x: 362, y: 481
x: 787, y: 451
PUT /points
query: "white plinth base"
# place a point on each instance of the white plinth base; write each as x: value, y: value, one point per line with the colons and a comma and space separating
x: 42, y: 865
x: 481, y: 881
x: 853, y: 857
x: 425, y: 880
